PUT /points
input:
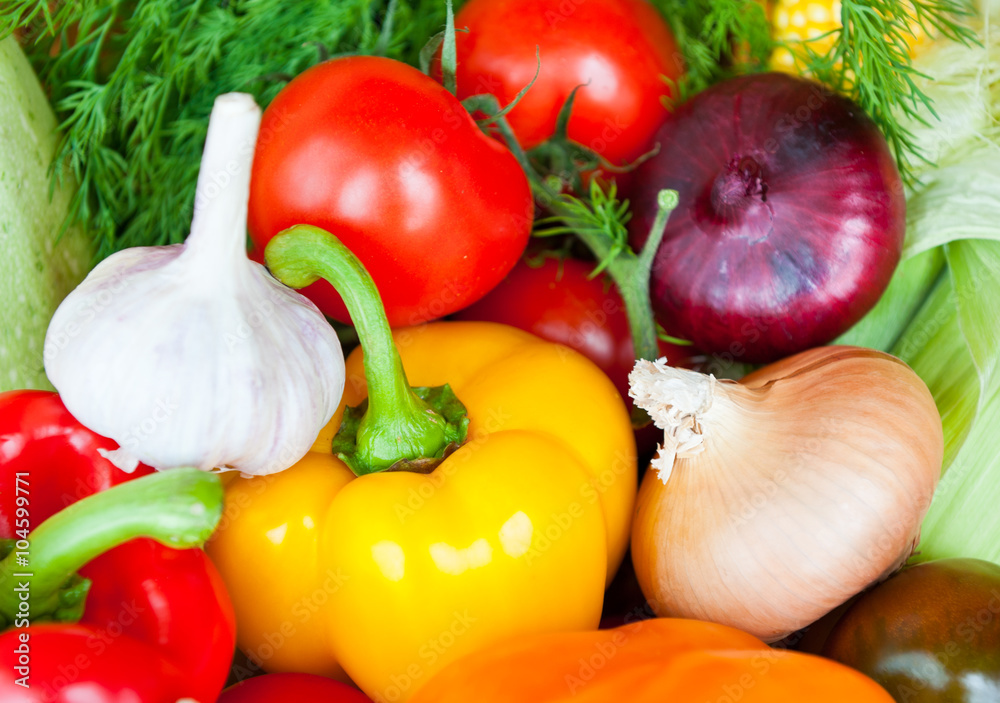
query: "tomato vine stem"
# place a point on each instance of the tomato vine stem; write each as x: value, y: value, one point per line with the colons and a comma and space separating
x: 629, y: 271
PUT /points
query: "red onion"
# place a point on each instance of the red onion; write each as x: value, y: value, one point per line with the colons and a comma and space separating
x: 791, y: 217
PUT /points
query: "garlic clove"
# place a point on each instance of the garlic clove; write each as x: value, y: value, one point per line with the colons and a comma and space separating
x: 193, y: 354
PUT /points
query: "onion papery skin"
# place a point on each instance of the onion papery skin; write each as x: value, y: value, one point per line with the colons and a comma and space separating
x: 815, y: 476
x: 791, y: 217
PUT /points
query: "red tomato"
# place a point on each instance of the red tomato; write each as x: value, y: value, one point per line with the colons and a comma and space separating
x: 386, y: 159
x: 291, y: 687
x: 622, y: 48
x: 558, y: 302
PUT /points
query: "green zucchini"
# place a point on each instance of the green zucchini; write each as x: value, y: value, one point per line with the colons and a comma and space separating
x: 38, y: 267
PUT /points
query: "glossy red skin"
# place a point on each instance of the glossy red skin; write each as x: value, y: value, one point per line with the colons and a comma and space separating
x: 560, y: 303
x: 621, y: 47
x: 292, y: 687
x: 184, y: 609
x: 770, y: 288
x: 127, y: 670
x: 39, y: 436
x: 158, y: 624
x: 390, y: 162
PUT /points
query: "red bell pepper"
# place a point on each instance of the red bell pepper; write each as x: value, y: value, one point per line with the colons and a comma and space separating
x: 156, y: 625
x: 38, y: 436
x: 292, y: 687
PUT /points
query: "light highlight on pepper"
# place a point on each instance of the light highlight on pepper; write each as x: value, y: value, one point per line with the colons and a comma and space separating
x: 457, y: 561
x: 390, y: 558
x: 515, y: 535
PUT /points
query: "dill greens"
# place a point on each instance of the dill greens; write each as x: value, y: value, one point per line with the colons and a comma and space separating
x: 717, y: 39
x: 133, y: 83
x: 601, y: 214
x: 869, y: 61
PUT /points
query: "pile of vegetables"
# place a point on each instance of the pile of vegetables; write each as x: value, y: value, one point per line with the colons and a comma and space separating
x: 672, y: 360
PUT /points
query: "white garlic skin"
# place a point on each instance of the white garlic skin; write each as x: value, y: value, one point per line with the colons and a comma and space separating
x: 192, y: 354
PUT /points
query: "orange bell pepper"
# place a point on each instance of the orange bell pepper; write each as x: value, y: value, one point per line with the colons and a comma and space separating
x: 651, y: 661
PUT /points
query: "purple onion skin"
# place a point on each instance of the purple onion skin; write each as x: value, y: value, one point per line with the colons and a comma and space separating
x: 791, y: 217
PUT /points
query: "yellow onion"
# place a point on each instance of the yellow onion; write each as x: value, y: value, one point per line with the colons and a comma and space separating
x: 776, y: 499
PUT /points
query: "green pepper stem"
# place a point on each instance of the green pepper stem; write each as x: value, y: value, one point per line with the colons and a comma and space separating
x: 397, y: 425
x: 178, y: 508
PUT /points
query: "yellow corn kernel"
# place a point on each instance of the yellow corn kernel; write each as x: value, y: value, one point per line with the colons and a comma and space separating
x: 810, y: 20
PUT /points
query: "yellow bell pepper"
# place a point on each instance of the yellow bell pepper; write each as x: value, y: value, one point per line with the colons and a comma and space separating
x: 391, y: 575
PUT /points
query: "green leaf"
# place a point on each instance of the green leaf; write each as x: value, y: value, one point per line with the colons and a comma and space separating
x: 955, y: 347
x: 963, y: 520
x: 958, y: 201
x: 909, y: 287
x: 953, y: 343
x: 934, y: 348
x: 975, y: 268
x: 963, y: 84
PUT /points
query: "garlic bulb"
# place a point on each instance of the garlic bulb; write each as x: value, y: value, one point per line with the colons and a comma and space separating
x: 192, y: 354
x: 776, y: 499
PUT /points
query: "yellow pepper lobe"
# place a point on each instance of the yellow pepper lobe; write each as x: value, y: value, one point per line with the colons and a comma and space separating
x: 267, y: 551
x: 437, y: 576
x: 521, y: 382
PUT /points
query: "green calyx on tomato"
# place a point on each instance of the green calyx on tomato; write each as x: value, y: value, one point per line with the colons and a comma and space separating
x: 620, y: 51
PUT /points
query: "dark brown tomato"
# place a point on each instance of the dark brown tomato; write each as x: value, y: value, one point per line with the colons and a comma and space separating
x: 929, y: 634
